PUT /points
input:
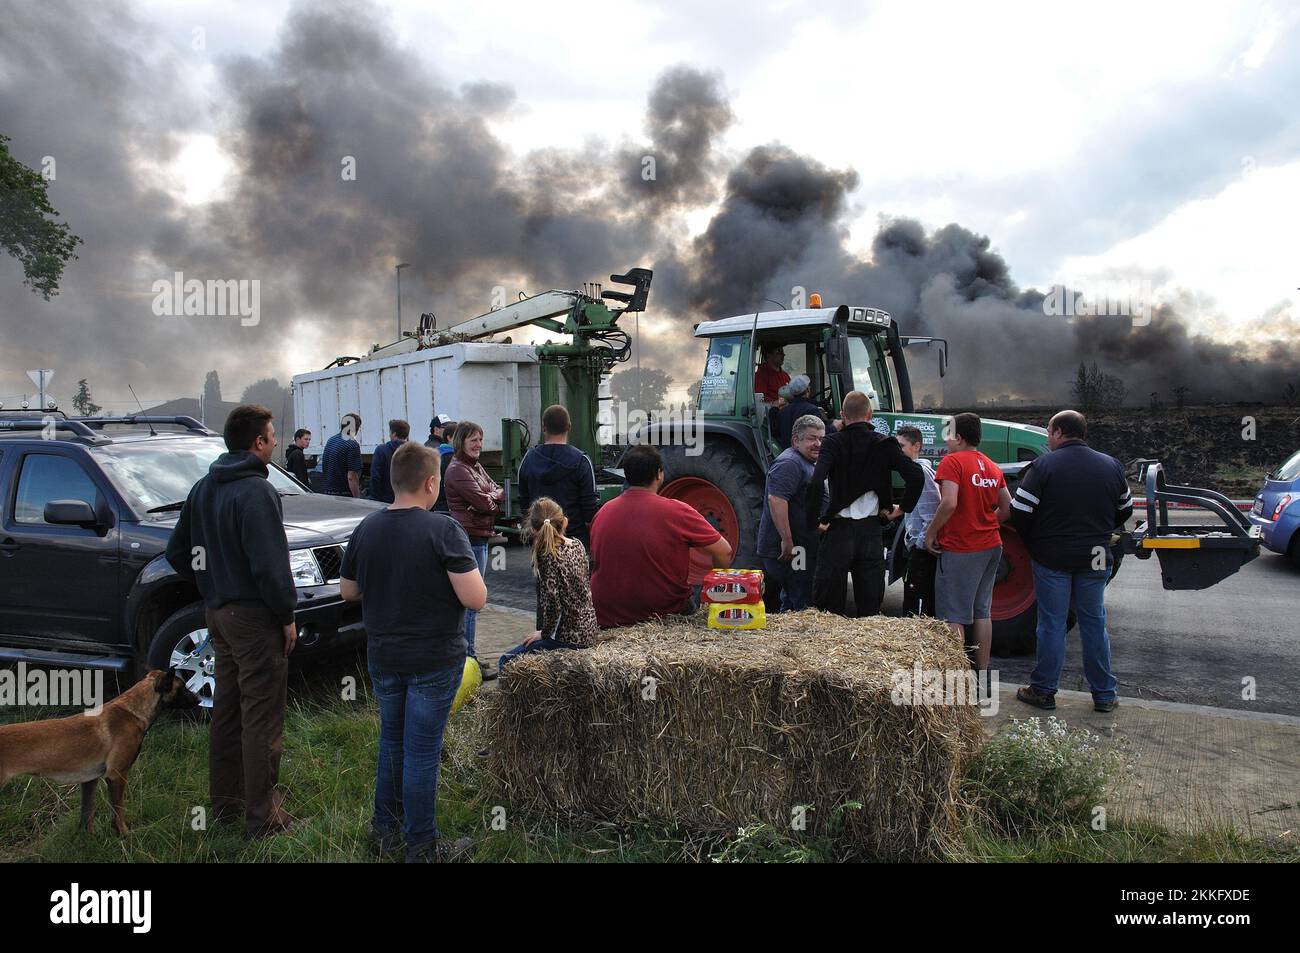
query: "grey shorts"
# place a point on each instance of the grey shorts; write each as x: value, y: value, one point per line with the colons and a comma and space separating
x: 963, y: 585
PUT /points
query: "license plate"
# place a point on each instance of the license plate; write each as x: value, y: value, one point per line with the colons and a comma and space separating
x: 1258, y: 507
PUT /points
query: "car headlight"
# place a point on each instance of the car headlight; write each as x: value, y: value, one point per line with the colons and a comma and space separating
x: 306, y: 572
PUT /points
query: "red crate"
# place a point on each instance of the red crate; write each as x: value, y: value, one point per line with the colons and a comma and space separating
x: 733, y: 586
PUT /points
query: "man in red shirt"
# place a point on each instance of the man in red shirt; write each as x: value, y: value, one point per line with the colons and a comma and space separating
x: 769, y: 378
x: 964, y: 534
x: 641, y: 547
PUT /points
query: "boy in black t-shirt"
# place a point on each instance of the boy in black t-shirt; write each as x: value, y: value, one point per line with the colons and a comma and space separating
x: 414, y: 573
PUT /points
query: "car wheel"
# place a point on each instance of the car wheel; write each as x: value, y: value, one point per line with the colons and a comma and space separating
x: 1293, y: 551
x: 182, y: 642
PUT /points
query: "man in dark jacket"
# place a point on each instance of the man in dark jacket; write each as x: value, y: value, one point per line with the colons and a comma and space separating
x: 229, y: 541
x: 799, y: 405
x: 381, y: 486
x: 295, y: 459
x: 859, y: 462
x: 563, y: 473
x: 1068, y: 504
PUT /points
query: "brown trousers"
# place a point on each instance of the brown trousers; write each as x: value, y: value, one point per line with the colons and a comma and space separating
x: 246, y: 737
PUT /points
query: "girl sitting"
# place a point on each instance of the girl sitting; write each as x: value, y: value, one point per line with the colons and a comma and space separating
x: 565, y: 614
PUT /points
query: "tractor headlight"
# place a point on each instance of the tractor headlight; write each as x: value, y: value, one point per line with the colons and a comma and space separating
x: 306, y: 571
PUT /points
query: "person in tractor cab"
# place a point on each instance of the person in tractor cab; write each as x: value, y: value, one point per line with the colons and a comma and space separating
x: 859, y: 461
x: 965, y: 535
x: 641, y: 546
x: 769, y: 377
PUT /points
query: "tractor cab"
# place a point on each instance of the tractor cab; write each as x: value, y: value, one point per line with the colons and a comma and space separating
x: 839, y: 349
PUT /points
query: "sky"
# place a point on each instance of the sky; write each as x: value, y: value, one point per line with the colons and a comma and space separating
x: 497, y: 146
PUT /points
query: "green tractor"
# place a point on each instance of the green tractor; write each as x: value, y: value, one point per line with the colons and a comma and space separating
x: 717, y: 463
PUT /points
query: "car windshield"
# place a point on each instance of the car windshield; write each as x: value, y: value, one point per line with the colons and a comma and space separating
x: 1289, y: 470
x: 156, y: 473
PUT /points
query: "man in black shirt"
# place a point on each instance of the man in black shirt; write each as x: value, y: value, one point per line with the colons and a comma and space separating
x: 295, y: 459
x: 1068, y: 504
x: 860, y: 463
x: 414, y: 574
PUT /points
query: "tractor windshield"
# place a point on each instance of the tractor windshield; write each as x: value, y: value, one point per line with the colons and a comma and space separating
x: 718, y: 386
x: 870, y: 371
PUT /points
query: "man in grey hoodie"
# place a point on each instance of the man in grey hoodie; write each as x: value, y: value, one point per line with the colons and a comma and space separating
x: 561, y: 472
x: 230, y: 542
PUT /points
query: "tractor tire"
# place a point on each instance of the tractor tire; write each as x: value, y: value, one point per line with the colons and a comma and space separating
x: 725, y: 486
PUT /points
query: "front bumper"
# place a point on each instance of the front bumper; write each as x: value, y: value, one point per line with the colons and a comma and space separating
x: 325, y: 621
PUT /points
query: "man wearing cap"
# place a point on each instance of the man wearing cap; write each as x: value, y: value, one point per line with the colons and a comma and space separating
x: 441, y: 427
x: 798, y: 405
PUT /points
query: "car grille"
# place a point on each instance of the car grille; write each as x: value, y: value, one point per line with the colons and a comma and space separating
x: 330, y: 560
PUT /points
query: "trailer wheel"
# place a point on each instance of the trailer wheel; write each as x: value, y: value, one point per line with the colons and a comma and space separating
x: 725, y: 487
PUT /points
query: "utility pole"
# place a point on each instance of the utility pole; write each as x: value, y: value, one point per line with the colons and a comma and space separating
x: 405, y: 264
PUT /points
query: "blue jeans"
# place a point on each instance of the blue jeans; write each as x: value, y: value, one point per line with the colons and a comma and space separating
x: 471, y: 616
x: 413, y: 711
x: 541, y: 645
x: 793, y: 585
x: 1054, y: 590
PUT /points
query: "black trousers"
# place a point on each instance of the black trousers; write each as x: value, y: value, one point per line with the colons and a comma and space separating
x: 918, y: 584
x: 851, y: 546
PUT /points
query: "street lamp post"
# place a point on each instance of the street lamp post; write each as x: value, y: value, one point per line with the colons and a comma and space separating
x: 405, y: 264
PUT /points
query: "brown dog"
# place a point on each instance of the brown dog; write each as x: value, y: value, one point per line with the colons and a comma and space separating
x: 83, y: 748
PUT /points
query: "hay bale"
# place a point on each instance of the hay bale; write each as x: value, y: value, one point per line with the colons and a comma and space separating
x: 708, y: 730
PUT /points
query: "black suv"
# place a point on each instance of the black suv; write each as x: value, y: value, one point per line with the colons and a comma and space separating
x: 86, y: 507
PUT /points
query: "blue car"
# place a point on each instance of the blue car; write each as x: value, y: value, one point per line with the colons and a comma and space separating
x: 1277, y: 509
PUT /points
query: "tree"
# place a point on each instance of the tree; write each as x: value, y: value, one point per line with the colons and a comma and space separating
x: 1092, y: 388
x: 643, y: 390
x: 82, y: 403
x: 28, y: 230
x: 212, y: 388
x: 1180, y: 396
x: 271, y: 395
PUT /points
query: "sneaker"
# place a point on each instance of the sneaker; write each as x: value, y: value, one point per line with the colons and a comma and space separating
x: 488, y: 674
x: 1032, y: 696
x: 439, y: 852
x: 1105, y: 707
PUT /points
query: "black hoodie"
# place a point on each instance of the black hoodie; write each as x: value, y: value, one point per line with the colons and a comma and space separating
x: 565, y: 475
x: 235, y: 516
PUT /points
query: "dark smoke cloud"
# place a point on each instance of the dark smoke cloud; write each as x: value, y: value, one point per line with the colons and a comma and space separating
x: 435, y: 186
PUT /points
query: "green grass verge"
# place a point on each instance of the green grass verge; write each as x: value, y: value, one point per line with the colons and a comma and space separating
x: 328, y: 772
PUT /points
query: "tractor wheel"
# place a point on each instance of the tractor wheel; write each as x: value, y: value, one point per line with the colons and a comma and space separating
x: 725, y: 486
x: 1015, y: 609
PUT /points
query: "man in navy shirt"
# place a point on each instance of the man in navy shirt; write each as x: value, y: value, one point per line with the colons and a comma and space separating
x: 381, y: 487
x: 561, y: 472
x: 785, y: 544
x: 341, y: 460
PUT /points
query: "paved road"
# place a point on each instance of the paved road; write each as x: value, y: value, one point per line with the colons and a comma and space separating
x: 1193, y: 647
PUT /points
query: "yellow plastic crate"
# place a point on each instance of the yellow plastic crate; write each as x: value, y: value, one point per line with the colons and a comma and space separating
x: 737, y: 615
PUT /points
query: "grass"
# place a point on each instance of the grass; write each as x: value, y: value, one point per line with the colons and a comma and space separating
x: 328, y: 772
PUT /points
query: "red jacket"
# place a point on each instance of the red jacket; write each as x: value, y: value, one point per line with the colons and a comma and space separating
x: 470, y: 497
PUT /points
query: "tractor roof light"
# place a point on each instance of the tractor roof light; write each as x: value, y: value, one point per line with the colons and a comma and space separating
x: 814, y: 300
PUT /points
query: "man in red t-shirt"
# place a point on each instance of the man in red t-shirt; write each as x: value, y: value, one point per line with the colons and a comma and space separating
x: 769, y: 378
x: 641, y: 547
x: 964, y: 534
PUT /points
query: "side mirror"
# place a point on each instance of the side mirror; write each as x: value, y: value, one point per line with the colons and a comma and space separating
x: 71, y: 513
